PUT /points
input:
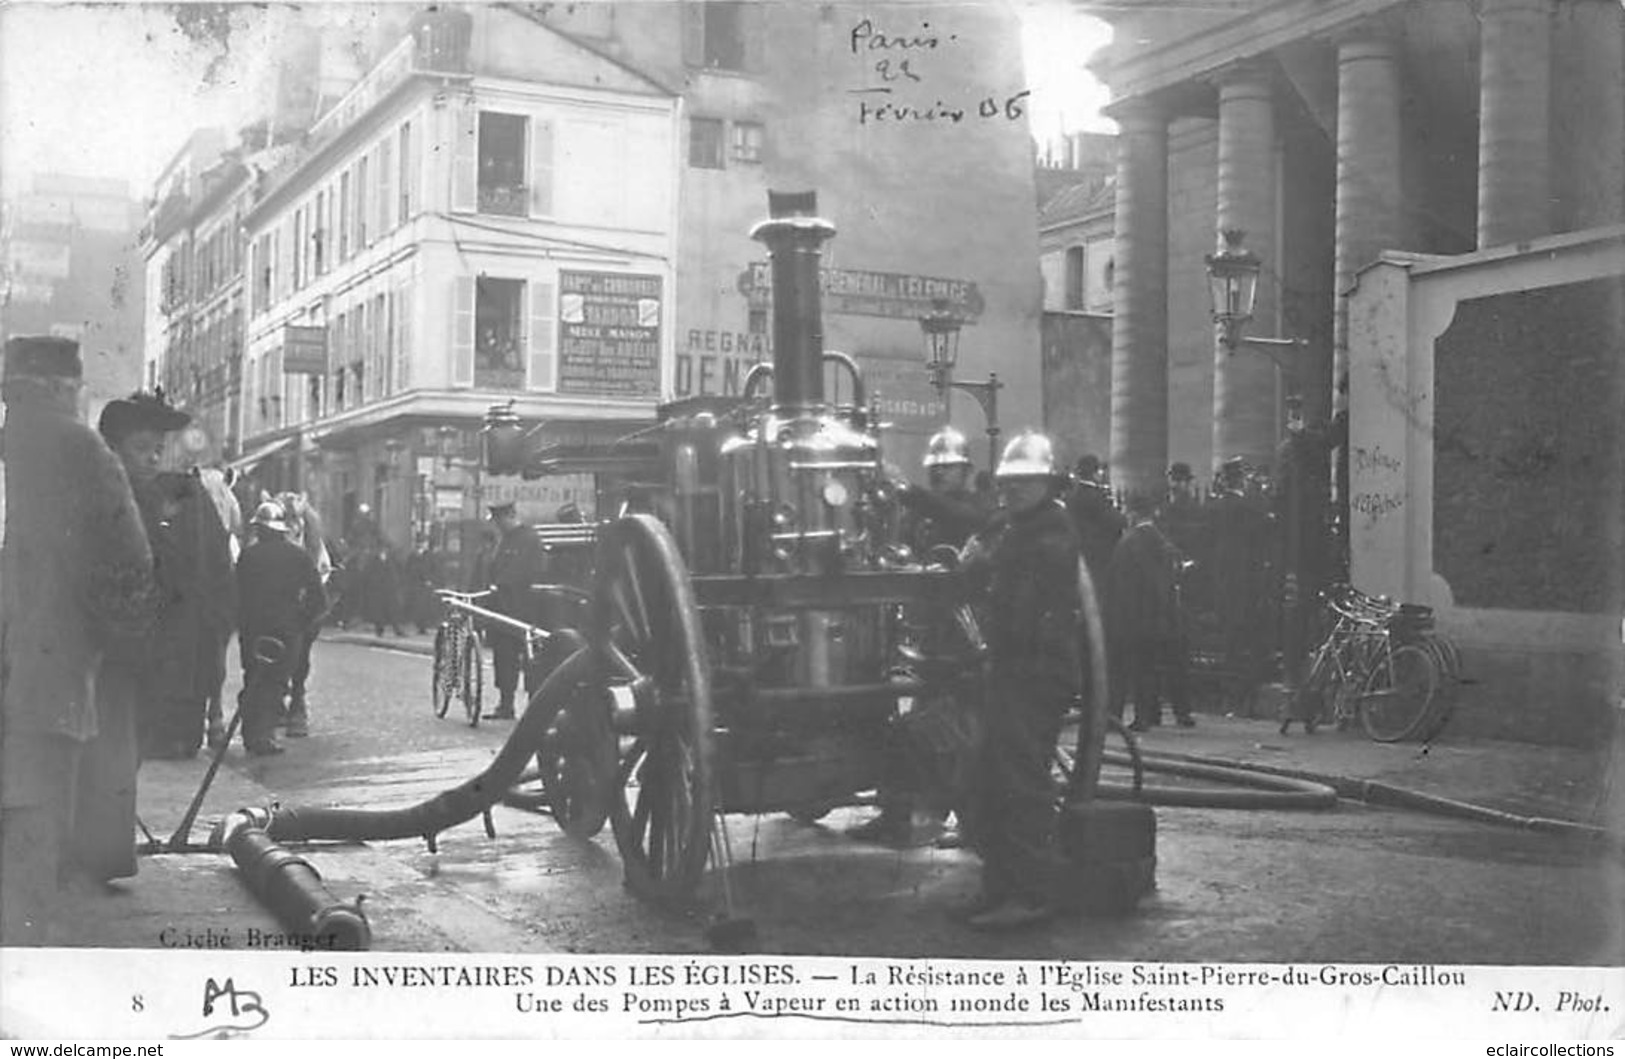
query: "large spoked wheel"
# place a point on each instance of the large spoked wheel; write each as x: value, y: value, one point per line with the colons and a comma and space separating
x: 645, y: 628
x: 442, y: 677
x: 473, y: 676
x: 1398, y: 694
x: 1095, y: 716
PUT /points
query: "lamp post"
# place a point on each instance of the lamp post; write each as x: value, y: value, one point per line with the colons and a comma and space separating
x: 941, y: 327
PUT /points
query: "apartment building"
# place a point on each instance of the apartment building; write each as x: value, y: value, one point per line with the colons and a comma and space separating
x: 458, y: 233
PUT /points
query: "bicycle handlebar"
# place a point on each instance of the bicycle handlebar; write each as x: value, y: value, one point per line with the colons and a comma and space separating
x: 450, y: 594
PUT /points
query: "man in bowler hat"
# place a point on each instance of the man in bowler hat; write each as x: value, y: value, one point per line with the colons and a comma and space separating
x: 75, y: 586
x: 191, y: 552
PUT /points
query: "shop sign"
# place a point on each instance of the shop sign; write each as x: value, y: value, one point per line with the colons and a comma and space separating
x: 304, y: 350
x: 539, y: 499
x: 609, y: 333
x: 859, y: 292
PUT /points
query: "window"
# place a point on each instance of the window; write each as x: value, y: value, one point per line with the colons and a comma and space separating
x: 1073, y: 293
x: 705, y: 139
x: 748, y: 137
x: 499, y: 361
x: 502, y: 164
x: 724, y: 35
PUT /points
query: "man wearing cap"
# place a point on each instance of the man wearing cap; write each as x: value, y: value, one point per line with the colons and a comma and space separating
x: 76, y: 578
x: 947, y: 511
x: 191, y: 550
x: 517, y: 563
x: 280, y: 596
x: 1095, y: 515
x: 1027, y: 563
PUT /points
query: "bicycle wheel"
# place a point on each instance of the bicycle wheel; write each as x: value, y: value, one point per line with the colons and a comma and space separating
x: 473, y: 675
x: 442, y: 676
x: 1398, y: 694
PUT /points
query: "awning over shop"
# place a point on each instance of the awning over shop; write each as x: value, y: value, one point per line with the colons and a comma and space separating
x: 249, y: 461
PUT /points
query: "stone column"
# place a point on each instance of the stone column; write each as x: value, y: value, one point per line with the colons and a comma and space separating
x: 1139, y: 433
x: 1368, y: 189
x: 1514, y: 107
x: 1244, y: 410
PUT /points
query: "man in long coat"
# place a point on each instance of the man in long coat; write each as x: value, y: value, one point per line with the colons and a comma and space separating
x: 184, y: 660
x: 281, y: 597
x: 76, y: 573
x: 517, y: 563
x: 1144, y: 626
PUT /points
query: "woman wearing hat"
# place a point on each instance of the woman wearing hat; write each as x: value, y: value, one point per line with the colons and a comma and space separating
x: 183, y: 661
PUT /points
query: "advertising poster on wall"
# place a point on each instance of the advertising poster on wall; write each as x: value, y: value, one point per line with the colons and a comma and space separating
x: 609, y: 333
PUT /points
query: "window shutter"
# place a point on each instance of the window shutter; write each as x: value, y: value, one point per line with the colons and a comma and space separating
x: 541, y: 168
x: 542, y: 362
x: 462, y: 331
x: 464, y: 158
x: 386, y: 188
x: 403, y: 335
x: 409, y: 170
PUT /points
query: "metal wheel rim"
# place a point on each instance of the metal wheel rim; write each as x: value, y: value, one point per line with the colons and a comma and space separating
x: 1398, y: 695
x: 473, y: 678
x: 646, y: 624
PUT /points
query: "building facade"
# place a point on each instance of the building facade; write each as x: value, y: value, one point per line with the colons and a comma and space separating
x: 458, y: 234
x: 1476, y: 149
x: 551, y: 205
x: 1329, y: 133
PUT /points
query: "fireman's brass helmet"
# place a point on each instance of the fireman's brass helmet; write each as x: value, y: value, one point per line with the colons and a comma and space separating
x: 947, y: 448
x: 1029, y: 455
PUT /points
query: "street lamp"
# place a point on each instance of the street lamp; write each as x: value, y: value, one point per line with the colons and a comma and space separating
x: 941, y: 327
x: 1232, y: 283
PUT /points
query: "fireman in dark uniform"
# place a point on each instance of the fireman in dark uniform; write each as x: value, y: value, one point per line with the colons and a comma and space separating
x: 1027, y: 563
x: 517, y: 563
x: 945, y: 513
x: 280, y: 596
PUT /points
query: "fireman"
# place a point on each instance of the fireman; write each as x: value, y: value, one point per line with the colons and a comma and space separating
x: 943, y: 514
x: 948, y: 510
x: 1027, y: 564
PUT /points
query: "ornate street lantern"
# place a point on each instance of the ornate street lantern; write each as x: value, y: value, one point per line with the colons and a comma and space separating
x: 941, y: 327
x: 503, y: 435
x: 1232, y: 287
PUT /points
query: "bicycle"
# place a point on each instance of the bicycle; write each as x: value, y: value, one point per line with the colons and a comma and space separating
x: 1378, y: 664
x: 459, y: 656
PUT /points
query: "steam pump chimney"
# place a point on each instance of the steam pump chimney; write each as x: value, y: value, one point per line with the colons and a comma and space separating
x: 794, y: 235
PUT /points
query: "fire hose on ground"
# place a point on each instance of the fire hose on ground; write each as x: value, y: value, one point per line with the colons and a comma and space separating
x: 286, y: 883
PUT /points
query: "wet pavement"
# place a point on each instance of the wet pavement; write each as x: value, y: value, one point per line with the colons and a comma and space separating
x: 1355, y: 883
